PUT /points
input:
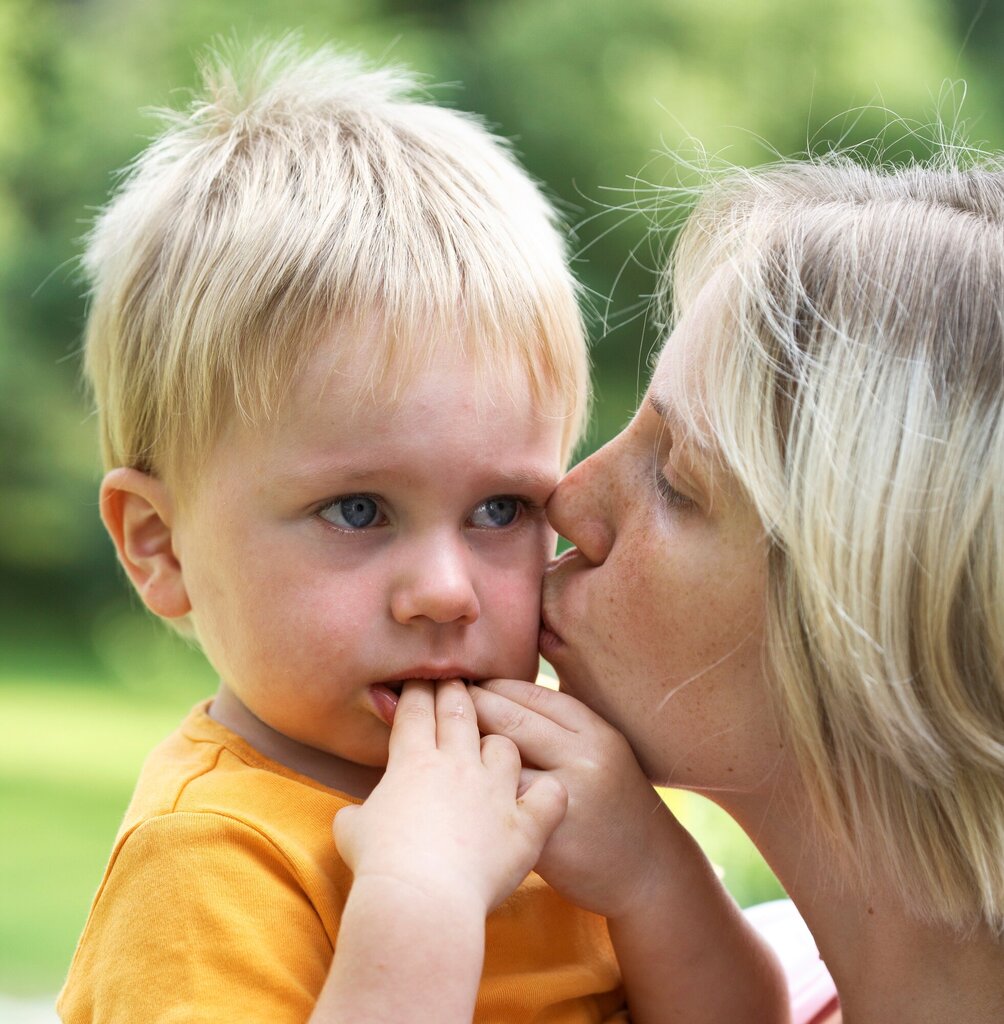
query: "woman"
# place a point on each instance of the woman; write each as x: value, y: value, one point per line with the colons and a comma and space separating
x: 786, y: 585
x: 796, y: 551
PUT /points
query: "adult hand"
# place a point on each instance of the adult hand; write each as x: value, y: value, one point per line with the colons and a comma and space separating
x: 684, y: 948
x: 617, y: 841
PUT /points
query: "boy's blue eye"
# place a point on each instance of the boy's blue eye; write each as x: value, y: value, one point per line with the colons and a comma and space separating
x: 496, y: 512
x: 354, y: 512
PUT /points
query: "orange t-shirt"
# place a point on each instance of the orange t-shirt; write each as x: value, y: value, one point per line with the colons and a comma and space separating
x: 224, y: 892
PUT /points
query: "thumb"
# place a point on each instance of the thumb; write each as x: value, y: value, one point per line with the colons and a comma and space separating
x: 544, y: 803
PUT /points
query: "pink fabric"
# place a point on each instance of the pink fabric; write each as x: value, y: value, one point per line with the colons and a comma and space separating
x: 809, y: 983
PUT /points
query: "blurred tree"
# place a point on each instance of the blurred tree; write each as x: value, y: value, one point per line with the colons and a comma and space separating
x: 597, y: 93
x: 593, y: 94
x: 47, y: 533
x: 978, y: 25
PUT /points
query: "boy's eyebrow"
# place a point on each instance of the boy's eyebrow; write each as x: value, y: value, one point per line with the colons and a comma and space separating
x: 520, y: 477
x: 529, y: 478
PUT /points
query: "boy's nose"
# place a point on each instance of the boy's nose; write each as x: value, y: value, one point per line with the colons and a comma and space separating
x: 436, y: 585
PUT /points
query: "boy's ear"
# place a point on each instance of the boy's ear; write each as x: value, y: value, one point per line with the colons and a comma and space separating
x: 137, y: 511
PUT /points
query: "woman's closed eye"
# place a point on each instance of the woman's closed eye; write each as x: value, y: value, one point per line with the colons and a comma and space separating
x: 670, y: 495
x: 353, y: 512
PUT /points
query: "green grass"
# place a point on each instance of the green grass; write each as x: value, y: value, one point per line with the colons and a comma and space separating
x: 76, y: 728
x: 75, y: 735
x: 70, y: 758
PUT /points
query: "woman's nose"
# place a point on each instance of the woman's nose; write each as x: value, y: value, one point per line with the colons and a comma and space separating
x: 435, y: 583
x: 580, y: 507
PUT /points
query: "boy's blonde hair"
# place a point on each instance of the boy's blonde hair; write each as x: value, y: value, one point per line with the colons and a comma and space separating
x: 856, y: 390
x: 301, y: 194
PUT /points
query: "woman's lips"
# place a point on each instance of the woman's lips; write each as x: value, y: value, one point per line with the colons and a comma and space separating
x: 550, y: 641
x: 566, y: 556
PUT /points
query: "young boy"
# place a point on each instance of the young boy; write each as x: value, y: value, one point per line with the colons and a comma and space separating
x: 339, y: 367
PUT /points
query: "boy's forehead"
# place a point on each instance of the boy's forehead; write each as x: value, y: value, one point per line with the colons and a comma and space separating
x: 441, y: 428
x: 366, y: 382
x: 362, y: 370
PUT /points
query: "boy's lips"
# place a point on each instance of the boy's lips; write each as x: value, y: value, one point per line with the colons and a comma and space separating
x: 387, y: 693
x: 384, y: 700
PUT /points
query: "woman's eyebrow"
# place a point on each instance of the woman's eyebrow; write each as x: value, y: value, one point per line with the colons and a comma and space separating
x: 674, y: 422
x: 689, y: 455
x: 661, y: 409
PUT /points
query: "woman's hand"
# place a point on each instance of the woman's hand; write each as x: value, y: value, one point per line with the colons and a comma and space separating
x: 447, y: 818
x: 617, y: 839
x: 685, y: 950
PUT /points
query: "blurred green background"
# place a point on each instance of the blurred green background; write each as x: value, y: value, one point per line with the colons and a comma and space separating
x: 592, y: 91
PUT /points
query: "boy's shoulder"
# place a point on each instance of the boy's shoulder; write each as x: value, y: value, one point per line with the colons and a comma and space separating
x: 218, y: 841
x: 213, y: 822
x: 205, y: 768
x: 204, y: 782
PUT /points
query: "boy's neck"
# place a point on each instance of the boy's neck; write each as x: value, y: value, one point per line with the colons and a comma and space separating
x: 347, y: 777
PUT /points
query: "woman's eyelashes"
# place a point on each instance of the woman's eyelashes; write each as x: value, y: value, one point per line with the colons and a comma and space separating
x: 663, y: 469
x: 356, y: 512
x: 669, y: 494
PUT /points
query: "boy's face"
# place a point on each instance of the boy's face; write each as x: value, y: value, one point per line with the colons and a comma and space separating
x: 346, y: 546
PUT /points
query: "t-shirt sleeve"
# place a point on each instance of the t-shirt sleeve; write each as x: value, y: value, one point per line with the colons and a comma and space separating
x: 200, y: 918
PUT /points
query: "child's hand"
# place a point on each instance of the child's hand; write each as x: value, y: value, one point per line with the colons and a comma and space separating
x: 446, y: 818
x: 442, y: 839
x: 617, y: 841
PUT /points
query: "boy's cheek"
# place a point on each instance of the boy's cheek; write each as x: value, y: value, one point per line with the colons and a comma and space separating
x: 518, y: 593
x: 516, y: 634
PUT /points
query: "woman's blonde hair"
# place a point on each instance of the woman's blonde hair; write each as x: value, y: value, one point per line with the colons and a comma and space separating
x: 300, y: 194
x: 856, y: 390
